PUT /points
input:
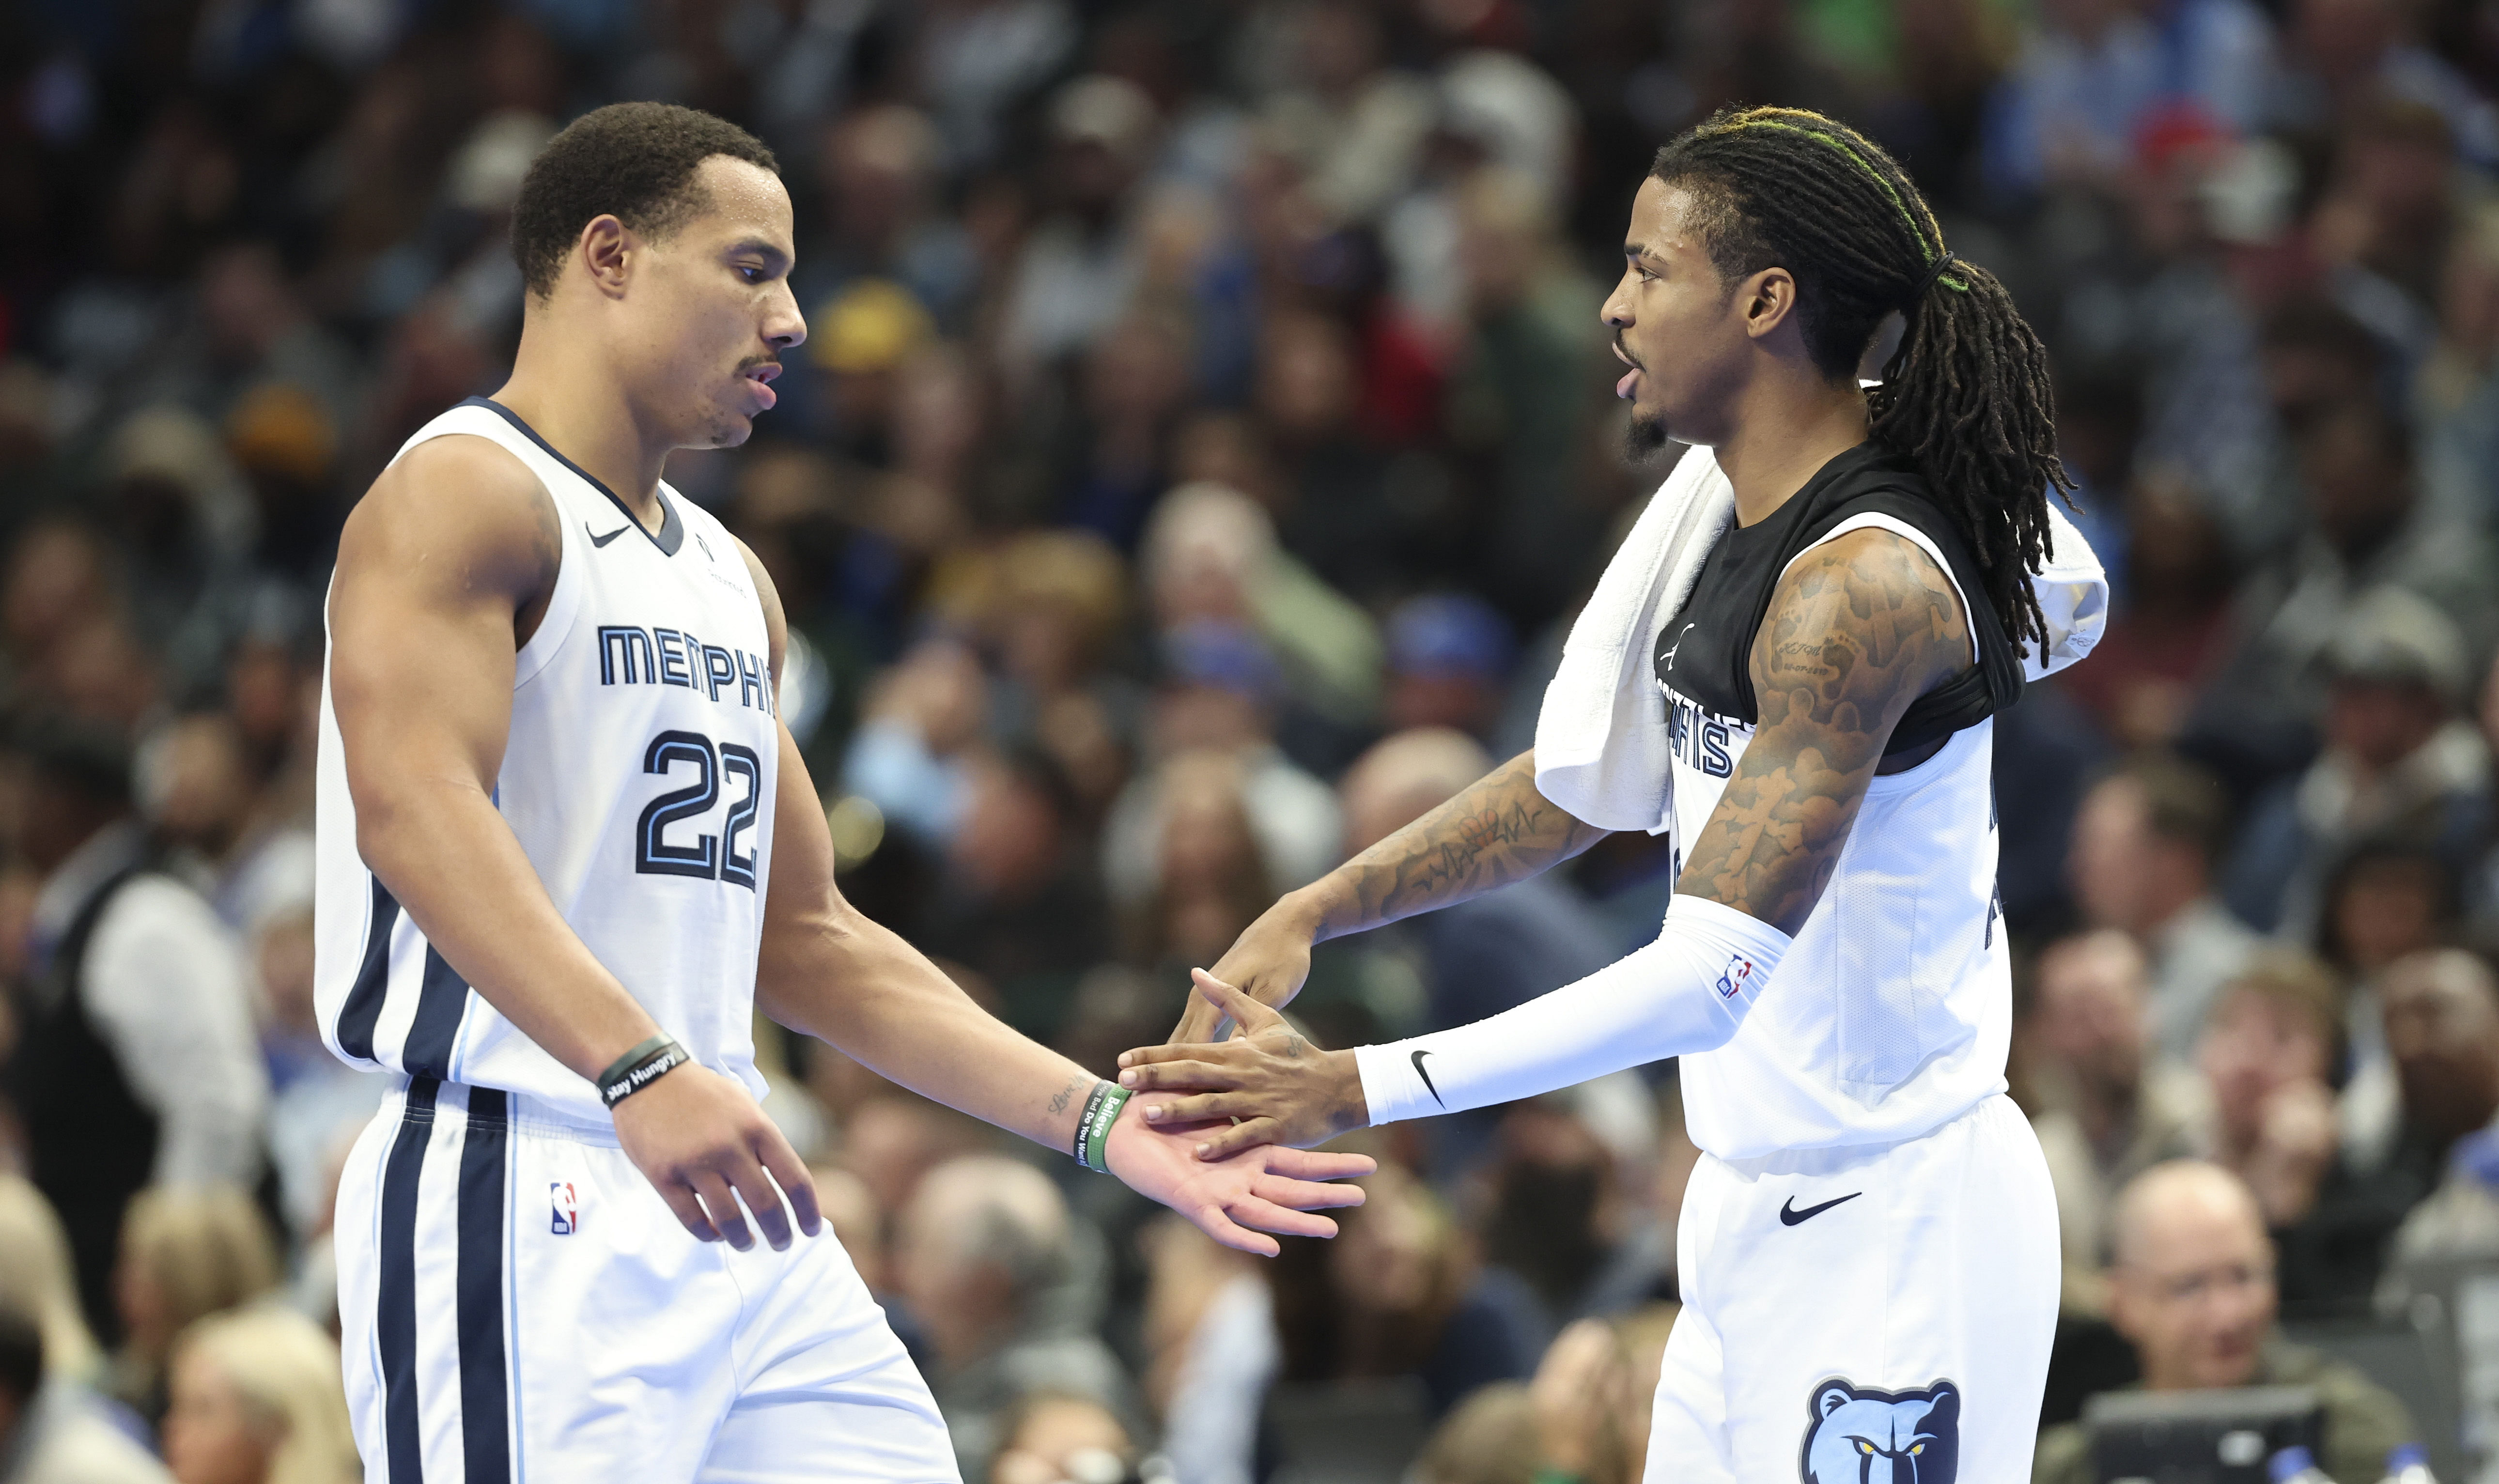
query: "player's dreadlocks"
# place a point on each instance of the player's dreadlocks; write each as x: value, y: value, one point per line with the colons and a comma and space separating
x: 1967, y: 395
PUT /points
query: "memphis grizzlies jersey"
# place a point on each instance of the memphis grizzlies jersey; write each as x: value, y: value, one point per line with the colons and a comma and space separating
x: 1892, y: 1012
x: 638, y: 778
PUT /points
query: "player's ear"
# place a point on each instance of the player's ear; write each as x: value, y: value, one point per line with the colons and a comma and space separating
x: 1830, y: 1397
x: 605, y: 251
x: 1769, y: 297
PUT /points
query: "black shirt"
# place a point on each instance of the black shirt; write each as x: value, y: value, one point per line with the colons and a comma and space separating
x: 1704, y: 652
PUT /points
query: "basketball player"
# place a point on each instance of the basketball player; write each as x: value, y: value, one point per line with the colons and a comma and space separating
x: 567, y: 848
x: 1867, y: 1252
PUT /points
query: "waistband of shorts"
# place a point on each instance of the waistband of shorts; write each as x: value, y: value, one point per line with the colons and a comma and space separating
x: 424, y: 1099
x: 1832, y: 1158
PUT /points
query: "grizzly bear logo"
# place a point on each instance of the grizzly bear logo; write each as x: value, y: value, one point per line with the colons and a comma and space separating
x: 1860, y: 1436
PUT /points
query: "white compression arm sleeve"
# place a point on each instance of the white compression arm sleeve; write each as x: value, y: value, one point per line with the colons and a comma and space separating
x: 1685, y: 993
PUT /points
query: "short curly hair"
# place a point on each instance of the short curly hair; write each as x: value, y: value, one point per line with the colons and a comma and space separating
x: 636, y: 161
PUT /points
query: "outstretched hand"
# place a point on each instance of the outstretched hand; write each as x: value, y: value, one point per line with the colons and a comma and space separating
x: 1268, y: 963
x: 1238, y: 1199
x: 1276, y: 1087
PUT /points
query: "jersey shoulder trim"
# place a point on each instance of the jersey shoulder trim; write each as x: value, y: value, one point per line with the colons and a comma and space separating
x: 671, y: 534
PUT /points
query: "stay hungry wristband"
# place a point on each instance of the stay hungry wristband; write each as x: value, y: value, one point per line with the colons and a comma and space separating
x: 639, y: 1067
x: 1093, y: 1126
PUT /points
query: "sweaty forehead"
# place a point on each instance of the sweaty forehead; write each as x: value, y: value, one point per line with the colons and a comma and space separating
x: 742, y: 201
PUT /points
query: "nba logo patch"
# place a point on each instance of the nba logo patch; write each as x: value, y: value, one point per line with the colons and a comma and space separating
x: 1738, y: 979
x: 567, y: 1219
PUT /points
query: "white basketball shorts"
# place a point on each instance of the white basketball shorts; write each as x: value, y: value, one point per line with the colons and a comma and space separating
x: 517, y: 1305
x: 1871, y: 1315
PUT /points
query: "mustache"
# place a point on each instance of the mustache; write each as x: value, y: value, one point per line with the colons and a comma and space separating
x: 1625, y: 351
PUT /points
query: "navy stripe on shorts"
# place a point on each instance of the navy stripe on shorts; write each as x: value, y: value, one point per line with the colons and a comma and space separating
x: 477, y: 1306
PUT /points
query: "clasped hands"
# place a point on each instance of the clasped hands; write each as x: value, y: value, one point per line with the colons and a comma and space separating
x: 1269, y: 1080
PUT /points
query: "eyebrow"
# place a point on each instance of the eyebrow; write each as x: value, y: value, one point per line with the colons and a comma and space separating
x: 770, y: 253
x: 1639, y: 251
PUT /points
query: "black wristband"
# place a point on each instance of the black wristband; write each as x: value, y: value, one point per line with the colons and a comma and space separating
x: 639, y: 1067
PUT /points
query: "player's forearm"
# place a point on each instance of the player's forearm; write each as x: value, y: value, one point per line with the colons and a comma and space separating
x: 1501, y: 829
x: 854, y: 983
x: 445, y: 853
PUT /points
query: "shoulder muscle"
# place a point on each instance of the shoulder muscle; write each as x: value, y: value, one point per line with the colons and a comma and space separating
x: 1857, y: 628
x: 459, y: 519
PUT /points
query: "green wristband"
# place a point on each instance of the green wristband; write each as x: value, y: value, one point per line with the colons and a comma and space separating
x: 1093, y: 1127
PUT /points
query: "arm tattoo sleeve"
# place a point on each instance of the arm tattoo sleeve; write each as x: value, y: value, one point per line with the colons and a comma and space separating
x: 1499, y: 830
x: 1857, y: 629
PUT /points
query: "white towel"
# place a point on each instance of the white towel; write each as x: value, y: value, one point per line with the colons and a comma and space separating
x: 1601, y: 740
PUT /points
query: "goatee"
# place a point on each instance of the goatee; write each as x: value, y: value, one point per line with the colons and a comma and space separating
x: 1643, y: 436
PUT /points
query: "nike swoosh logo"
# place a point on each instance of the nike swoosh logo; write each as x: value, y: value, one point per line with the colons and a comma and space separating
x: 595, y: 539
x: 1427, y: 1078
x: 1789, y: 1216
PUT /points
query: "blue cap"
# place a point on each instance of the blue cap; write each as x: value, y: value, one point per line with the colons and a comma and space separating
x: 2408, y: 1456
x: 1449, y: 635
x: 1228, y: 657
x: 2290, y: 1463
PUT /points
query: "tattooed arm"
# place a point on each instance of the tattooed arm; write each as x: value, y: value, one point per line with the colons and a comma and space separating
x: 1499, y: 830
x: 1858, y: 628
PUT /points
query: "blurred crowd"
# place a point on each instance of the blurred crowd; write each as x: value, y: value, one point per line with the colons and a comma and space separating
x: 1200, y: 448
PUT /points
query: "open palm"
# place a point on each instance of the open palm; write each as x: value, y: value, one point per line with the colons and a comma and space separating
x: 1238, y: 1199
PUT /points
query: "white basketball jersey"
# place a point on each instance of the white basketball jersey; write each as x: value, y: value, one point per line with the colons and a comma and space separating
x: 638, y: 779
x: 1893, y: 1010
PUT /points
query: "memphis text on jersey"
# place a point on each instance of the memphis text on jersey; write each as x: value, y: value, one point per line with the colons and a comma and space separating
x: 1700, y: 737
x: 632, y: 654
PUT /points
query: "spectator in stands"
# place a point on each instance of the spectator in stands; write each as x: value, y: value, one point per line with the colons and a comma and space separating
x: 1396, y: 1294
x: 986, y: 1264
x: 2388, y: 899
x: 1490, y: 1438
x: 908, y: 756
x: 2274, y: 1040
x: 1215, y: 877
x: 2165, y: 640
x: 1021, y: 905
x: 256, y: 1400
x: 2398, y: 760
x: 48, y: 1433
x: 1079, y: 264
x: 2366, y: 529
x: 2274, y: 1056
x: 187, y: 1252
x: 135, y: 1059
x: 2144, y: 844
x: 201, y: 794
x: 2193, y: 1288
x: 2108, y: 1107
x: 2442, y: 1031
x: 1211, y: 1351
x: 1217, y: 698
x: 36, y: 1279
x: 1553, y: 1214
x: 1052, y: 1437
x: 1448, y: 664
x: 1211, y: 556
x: 1583, y: 1416
x: 2442, y: 1013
